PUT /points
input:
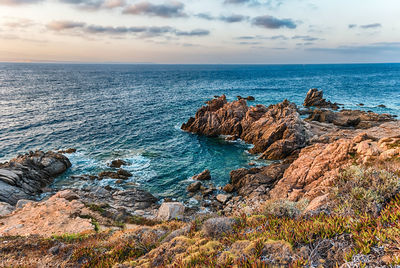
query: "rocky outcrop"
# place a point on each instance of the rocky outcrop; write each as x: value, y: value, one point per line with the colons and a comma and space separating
x: 119, y: 203
x: 276, y: 131
x: 350, y: 118
x: 315, y: 98
x: 24, y: 177
x: 56, y: 216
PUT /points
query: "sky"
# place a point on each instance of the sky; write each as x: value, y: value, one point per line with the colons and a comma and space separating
x: 200, y: 31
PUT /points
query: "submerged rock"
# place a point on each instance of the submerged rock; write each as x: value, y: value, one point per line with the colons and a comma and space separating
x: 24, y: 177
x: 118, y: 163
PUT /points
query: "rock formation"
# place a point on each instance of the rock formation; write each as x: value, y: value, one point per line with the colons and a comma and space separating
x: 24, y: 177
x: 276, y: 131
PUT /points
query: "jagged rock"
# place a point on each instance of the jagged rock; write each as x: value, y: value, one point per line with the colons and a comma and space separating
x: 315, y: 98
x: 171, y: 211
x: 24, y: 177
x: 205, y: 175
x: 124, y: 173
x: 217, y: 227
x: 118, y: 163
x: 194, y: 187
x: 275, y: 131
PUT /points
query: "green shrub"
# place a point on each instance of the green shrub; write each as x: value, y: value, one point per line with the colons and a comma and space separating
x: 359, y: 190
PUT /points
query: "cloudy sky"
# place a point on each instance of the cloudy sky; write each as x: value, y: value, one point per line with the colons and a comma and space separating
x: 200, y: 31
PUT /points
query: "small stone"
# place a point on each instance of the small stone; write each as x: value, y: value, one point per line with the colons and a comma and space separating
x: 22, y: 202
x: 5, y: 209
x: 229, y: 188
x: 382, y: 106
x: 68, y: 151
x: 194, y: 187
x: 118, y: 163
x: 223, y: 198
x: 205, y: 175
x: 124, y: 173
x: 170, y: 211
x: 250, y: 98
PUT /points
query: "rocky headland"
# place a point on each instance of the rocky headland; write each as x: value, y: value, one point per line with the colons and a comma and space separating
x: 328, y: 198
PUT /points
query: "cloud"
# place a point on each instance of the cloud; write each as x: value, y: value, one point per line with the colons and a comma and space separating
x: 64, y: 25
x: 20, y: 23
x: 366, y: 26
x: 145, y: 31
x: 369, y: 49
x: 18, y: 2
x: 259, y: 37
x: 196, y: 32
x: 305, y: 38
x: 236, y: 1
x: 369, y: 26
x: 171, y: 9
x: 205, y: 16
x: 270, y: 22
x: 233, y: 18
x: 95, y: 4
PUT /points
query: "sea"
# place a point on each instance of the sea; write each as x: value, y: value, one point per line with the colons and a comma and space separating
x: 134, y: 113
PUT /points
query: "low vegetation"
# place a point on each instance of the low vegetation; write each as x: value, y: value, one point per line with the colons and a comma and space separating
x: 361, y: 227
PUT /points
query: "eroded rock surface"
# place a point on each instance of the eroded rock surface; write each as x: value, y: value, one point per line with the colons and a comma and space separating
x: 55, y: 216
x: 24, y: 177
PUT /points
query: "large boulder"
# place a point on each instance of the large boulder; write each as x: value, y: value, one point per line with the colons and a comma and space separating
x: 24, y: 177
x: 171, y: 211
x: 276, y: 131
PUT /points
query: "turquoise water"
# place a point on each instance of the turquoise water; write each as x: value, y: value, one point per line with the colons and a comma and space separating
x: 134, y: 112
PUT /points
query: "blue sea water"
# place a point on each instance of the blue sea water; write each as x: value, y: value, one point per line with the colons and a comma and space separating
x: 134, y: 112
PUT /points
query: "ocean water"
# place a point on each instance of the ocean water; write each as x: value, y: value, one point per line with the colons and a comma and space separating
x: 134, y: 112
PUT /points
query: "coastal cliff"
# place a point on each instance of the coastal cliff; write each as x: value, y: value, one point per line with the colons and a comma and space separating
x: 329, y: 198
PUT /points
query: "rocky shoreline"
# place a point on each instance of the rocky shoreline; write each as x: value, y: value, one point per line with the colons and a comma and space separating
x: 309, y: 155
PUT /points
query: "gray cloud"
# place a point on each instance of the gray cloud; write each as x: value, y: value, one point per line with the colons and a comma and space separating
x: 95, y: 4
x: 305, y: 38
x: 205, y: 16
x: 18, y: 2
x: 171, y: 9
x: 259, y: 37
x: 369, y: 49
x: 273, y: 23
x: 233, y: 18
x: 196, y: 32
x: 368, y: 26
x: 146, y: 31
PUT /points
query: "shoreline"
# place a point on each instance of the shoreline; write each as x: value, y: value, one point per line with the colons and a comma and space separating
x: 308, y: 158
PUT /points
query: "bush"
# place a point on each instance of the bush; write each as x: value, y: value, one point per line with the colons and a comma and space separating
x: 284, y: 208
x: 359, y: 190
